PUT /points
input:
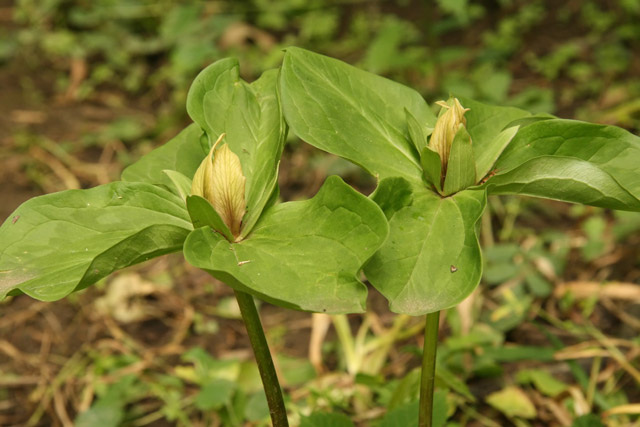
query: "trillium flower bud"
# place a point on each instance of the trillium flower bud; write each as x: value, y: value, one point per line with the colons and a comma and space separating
x: 219, y: 179
x: 446, y: 128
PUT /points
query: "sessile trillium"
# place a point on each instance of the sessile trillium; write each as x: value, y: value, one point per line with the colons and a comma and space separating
x: 448, y: 162
x: 220, y: 181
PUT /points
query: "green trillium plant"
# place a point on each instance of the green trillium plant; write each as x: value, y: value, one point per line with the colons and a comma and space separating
x: 435, y: 173
x: 211, y: 192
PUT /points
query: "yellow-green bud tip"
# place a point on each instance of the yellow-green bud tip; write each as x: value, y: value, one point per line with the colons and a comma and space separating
x: 446, y: 128
x: 219, y: 179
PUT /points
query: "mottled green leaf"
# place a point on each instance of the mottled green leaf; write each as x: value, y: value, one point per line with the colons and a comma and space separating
x: 572, y: 161
x: 351, y: 113
x: 431, y: 259
x: 303, y: 255
x: 57, y: 243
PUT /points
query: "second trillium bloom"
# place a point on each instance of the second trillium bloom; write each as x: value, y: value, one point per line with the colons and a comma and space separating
x: 448, y: 162
x: 220, y: 181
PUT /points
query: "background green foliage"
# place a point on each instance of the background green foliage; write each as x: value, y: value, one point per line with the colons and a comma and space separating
x: 89, y: 86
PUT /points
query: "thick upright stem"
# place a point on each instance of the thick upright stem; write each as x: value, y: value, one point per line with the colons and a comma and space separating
x: 263, y: 357
x: 428, y: 369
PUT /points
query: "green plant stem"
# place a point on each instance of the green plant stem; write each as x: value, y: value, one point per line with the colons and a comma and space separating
x: 425, y: 418
x: 263, y: 358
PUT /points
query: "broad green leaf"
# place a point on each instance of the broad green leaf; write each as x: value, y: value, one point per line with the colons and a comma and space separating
x: 486, y: 158
x: 181, y: 183
x: 417, y: 131
x: 250, y: 115
x: 485, y: 122
x: 218, y: 79
x: 431, y: 259
x: 57, y: 243
x: 352, y: 113
x: 572, y: 161
x: 182, y: 154
x: 431, y: 167
x: 203, y: 214
x: 566, y: 179
x: 303, y: 255
x: 393, y: 194
x: 527, y: 120
x: 489, y: 126
x: 461, y: 171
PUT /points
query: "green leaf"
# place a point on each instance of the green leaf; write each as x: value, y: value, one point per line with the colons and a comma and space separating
x: 461, y: 170
x: 181, y: 184
x: 219, y: 79
x: 352, y: 113
x: 61, y: 242
x: 491, y: 130
x: 431, y: 167
x: 485, y: 122
x: 574, y: 162
x: 181, y: 154
x: 512, y: 402
x: 203, y: 214
x: 303, y: 255
x: 250, y: 115
x: 326, y: 419
x: 393, y: 194
x: 417, y: 131
x: 566, y: 179
x: 486, y: 158
x: 431, y: 259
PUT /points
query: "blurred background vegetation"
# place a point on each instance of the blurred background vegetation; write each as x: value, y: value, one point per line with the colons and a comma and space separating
x: 550, y: 338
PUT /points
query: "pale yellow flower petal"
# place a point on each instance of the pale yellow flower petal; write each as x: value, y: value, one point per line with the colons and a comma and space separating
x: 226, y: 192
x: 220, y: 180
x: 446, y: 128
